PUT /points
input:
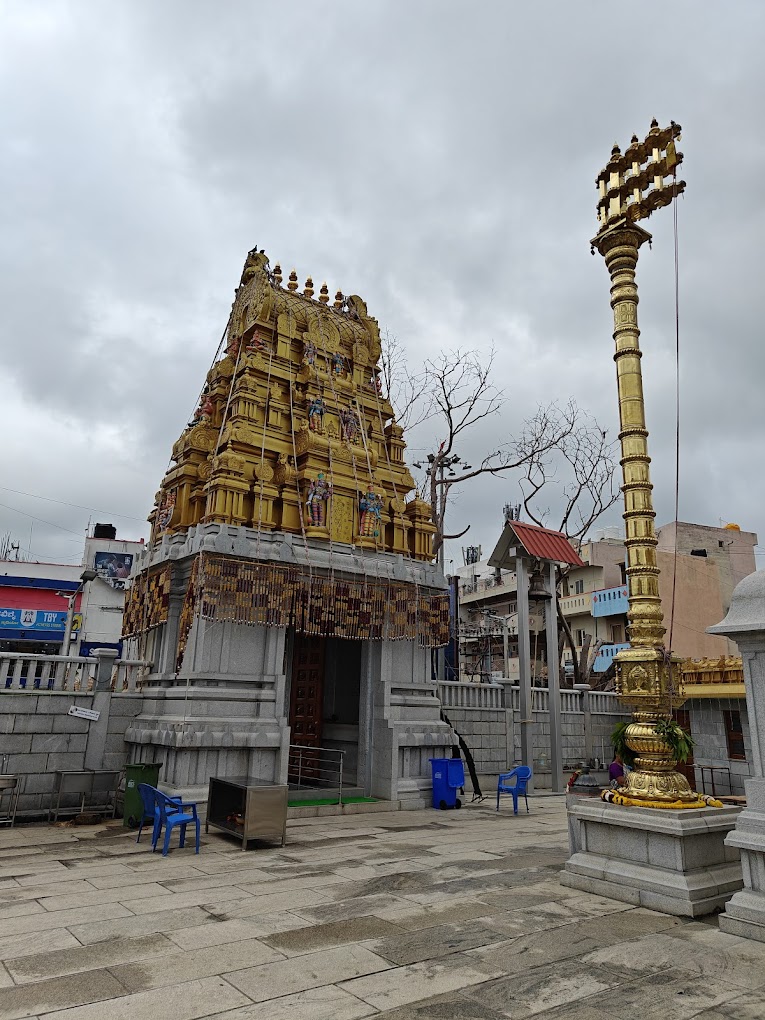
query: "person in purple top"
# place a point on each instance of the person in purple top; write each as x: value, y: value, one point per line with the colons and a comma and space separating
x: 616, y: 771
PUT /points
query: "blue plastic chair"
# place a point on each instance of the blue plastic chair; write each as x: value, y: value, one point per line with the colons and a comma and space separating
x: 151, y: 811
x: 172, y: 814
x: 521, y: 774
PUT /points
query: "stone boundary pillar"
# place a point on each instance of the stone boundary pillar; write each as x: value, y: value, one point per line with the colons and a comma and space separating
x: 745, y: 624
x: 102, y: 699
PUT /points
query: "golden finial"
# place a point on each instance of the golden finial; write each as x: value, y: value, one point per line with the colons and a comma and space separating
x: 278, y: 274
x: 308, y: 291
x: 293, y: 284
x: 339, y: 299
x: 324, y: 293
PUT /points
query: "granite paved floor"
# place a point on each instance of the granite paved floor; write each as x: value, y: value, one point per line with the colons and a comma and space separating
x: 401, y: 915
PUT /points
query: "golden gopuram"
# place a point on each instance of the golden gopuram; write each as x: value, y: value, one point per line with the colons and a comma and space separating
x: 287, y: 599
x: 632, y: 185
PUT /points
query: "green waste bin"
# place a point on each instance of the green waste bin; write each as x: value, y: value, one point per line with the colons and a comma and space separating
x: 138, y: 772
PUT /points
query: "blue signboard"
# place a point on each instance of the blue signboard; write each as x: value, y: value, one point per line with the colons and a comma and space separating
x: 41, y: 621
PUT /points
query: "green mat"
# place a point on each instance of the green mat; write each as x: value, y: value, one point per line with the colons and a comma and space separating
x: 320, y: 802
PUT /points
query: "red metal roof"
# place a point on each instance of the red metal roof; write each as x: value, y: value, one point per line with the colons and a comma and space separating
x: 545, y: 544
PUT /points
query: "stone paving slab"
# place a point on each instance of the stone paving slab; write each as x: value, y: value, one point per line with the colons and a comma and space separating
x: 419, y: 915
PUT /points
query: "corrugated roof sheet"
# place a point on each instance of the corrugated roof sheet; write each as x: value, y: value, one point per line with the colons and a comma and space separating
x: 545, y: 544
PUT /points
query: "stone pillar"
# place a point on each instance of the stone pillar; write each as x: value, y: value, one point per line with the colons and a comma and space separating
x: 745, y: 624
x: 524, y: 664
x: 102, y: 698
x: 553, y: 686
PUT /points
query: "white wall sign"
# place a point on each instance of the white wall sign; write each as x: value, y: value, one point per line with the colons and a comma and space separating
x: 84, y: 713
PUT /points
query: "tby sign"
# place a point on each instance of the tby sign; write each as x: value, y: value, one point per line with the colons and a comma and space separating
x: 38, y: 620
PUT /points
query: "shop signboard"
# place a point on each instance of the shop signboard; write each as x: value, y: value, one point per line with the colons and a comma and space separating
x: 39, y: 621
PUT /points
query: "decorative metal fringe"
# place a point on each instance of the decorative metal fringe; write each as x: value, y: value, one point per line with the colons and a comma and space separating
x: 188, y: 611
x: 146, y: 602
x: 223, y: 588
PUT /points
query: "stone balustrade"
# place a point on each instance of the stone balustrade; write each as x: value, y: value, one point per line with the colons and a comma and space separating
x: 21, y: 672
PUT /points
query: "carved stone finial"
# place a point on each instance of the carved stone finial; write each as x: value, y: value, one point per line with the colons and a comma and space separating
x: 324, y: 293
x: 308, y: 291
x: 339, y: 299
x: 293, y: 281
x: 654, y: 123
x: 278, y: 274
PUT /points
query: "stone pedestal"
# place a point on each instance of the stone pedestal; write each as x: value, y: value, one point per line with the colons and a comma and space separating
x: 674, y: 861
x: 745, y: 911
x: 745, y: 624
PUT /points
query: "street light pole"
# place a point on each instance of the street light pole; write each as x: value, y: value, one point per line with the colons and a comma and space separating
x: 87, y: 575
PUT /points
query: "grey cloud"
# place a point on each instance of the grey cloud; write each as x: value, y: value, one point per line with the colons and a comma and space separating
x: 438, y: 158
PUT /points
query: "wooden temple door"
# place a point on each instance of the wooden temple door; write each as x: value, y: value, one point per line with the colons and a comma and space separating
x: 306, y: 706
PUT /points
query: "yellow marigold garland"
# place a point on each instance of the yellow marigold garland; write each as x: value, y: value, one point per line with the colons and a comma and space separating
x: 617, y: 797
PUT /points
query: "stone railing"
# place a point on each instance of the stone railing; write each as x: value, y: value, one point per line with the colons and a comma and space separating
x: 606, y: 703
x: 20, y: 673
x: 462, y: 695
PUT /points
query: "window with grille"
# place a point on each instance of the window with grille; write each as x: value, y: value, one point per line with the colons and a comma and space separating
x: 734, y: 735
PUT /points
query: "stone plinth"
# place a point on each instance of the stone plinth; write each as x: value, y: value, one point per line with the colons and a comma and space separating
x: 674, y: 861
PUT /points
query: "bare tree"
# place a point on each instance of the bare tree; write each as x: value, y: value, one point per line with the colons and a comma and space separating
x: 565, y: 459
x: 456, y: 390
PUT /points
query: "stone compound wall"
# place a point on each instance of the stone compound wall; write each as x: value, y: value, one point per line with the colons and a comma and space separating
x: 488, y: 718
x: 39, y: 738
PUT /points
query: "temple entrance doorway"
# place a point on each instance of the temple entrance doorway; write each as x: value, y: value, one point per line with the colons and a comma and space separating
x: 324, y: 712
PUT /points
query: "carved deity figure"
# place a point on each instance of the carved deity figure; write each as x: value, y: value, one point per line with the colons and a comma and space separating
x: 349, y: 425
x: 257, y: 344
x: 309, y: 353
x: 316, y: 415
x: 319, y: 492
x: 233, y: 347
x: 204, y: 412
x: 338, y: 363
x: 370, y: 513
x: 165, y: 512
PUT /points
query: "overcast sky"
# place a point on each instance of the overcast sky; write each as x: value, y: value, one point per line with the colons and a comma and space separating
x: 437, y: 158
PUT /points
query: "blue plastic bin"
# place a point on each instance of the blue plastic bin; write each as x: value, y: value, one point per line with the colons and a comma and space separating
x: 448, y: 777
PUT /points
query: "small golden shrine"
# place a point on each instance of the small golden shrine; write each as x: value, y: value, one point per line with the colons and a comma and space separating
x: 293, y: 431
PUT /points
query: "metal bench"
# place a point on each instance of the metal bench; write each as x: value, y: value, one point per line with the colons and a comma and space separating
x: 89, y: 784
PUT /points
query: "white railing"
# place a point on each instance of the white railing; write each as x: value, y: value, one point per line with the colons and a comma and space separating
x: 462, y: 695
x: 30, y: 674
x: 575, y: 605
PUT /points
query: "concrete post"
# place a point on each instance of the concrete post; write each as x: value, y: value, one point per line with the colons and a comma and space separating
x: 524, y: 662
x: 102, y: 698
x: 553, y: 685
x: 745, y: 624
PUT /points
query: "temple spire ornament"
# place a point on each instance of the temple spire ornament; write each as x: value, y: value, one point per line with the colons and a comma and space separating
x: 631, y: 186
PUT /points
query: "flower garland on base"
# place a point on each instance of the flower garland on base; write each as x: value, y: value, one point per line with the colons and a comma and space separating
x: 618, y: 797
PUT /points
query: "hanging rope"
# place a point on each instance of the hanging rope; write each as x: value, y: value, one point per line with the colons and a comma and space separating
x: 677, y: 408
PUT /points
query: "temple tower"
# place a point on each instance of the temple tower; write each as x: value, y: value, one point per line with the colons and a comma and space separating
x: 287, y: 595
